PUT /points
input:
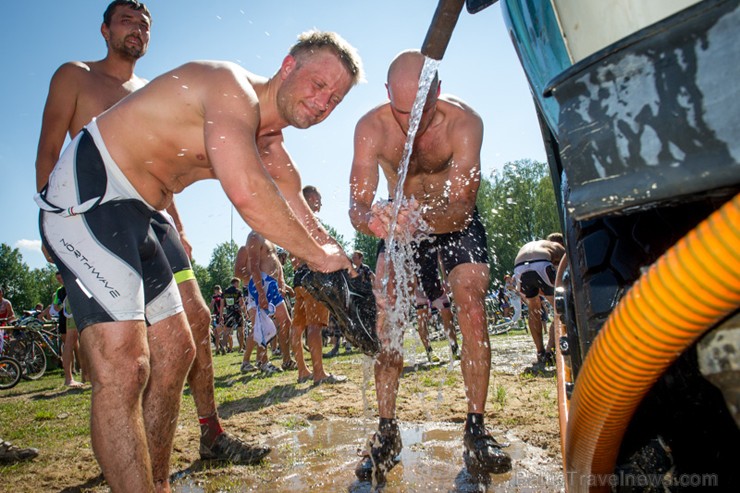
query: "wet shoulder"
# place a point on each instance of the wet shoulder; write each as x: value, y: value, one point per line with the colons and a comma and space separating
x: 375, y: 119
x: 458, y: 108
x: 459, y: 118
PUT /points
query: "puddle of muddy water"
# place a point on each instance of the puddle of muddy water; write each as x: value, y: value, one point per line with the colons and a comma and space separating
x: 322, y: 457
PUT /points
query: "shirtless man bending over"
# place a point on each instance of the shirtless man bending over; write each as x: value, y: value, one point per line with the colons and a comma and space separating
x: 535, y: 267
x: 443, y: 177
x: 202, y: 120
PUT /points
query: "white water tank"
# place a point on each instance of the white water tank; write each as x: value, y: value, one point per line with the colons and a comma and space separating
x: 590, y: 25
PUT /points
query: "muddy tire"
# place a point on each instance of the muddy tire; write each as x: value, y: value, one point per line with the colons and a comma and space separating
x: 607, y: 255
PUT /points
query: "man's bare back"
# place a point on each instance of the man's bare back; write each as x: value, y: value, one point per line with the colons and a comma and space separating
x: 540, y: 250
x: 161, y: 158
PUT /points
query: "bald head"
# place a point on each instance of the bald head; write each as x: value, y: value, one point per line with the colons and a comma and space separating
x: 403, y: 79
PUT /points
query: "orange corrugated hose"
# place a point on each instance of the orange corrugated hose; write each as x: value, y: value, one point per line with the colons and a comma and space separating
x: 666, y: 311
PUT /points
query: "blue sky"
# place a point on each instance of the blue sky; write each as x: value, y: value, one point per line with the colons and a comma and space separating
x: 480, y: 66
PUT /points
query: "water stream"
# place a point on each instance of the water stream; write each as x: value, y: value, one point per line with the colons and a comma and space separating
x: 399, y: 253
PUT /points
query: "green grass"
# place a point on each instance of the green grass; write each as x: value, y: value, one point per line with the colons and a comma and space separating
x: 499, y: 396
x: 294, y: 423
x: 35, y: 412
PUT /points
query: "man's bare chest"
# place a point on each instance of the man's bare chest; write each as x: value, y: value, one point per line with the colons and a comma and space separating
x: 98, y: 94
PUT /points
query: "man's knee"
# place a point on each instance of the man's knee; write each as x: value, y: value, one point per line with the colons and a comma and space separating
x: 472, y: 307
x: 127, y: 376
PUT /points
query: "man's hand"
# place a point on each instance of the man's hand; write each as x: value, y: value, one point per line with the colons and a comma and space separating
x: 408, y: 221
x: 334, y: 259
x: 409, y: 217
x: 264, y: 304
x: 380, y: 219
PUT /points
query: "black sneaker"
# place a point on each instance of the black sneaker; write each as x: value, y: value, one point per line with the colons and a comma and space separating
x: 549, y: 358
x: 380, y: 457
x: 233, y: 449
x: 484, y: 455
x: 542, y: 358
x: 351, y: 302
x: 9, y: 453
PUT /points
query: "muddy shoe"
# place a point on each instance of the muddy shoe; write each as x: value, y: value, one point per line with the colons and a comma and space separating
x: 351, y: 302
x: 549, y: 358
x: 233, y: 449
x: 485, y: 455
x: 541, y: 359
x: 9, y: 453
x: 269, y: 369
x: 380, y: 457
x: 455, y: 350
x: 331, y: 380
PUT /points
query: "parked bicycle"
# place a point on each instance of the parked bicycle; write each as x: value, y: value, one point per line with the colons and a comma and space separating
x: 28, y: 340
x: 10, y: 372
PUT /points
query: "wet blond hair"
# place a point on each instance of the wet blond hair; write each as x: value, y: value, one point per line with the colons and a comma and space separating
x: 347, y: 54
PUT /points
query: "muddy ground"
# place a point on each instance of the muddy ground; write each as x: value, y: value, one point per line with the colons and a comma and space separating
x: 315, y: 432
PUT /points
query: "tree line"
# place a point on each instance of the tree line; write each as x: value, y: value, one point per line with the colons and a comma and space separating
x: 516, y: 205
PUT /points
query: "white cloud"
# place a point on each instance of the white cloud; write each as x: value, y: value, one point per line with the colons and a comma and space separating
x: 29, y: 245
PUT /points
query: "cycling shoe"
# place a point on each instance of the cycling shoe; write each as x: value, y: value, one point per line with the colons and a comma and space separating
x: 380, y: 457
x: 483, y: 455
x: 351, y: 302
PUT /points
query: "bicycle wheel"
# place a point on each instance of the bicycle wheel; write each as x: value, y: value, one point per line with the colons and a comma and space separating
x: 33, y: 361
x: 10, y: 372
